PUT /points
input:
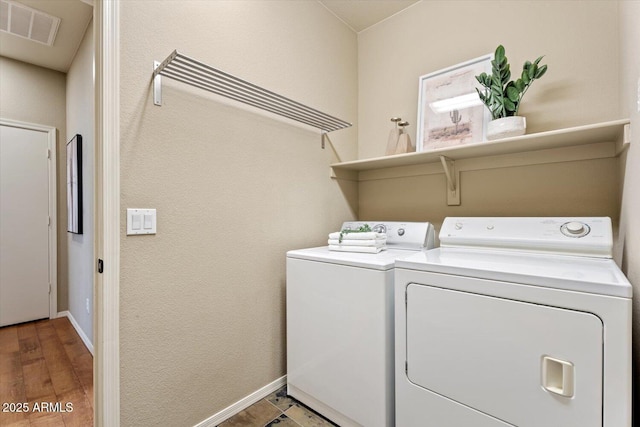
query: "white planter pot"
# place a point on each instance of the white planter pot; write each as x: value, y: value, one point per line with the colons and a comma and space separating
x: 506, y: 127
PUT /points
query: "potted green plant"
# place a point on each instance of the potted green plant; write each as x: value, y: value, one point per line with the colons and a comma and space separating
x: 502, y: 96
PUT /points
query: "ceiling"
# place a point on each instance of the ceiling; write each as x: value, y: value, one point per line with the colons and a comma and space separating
x: 361, y: 14
x: 76, y: 15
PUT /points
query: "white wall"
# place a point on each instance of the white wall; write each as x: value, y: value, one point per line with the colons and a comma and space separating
x: 37, y: 95
x: 630, y: 215
x: 80, y: 120
x: 202, y: 302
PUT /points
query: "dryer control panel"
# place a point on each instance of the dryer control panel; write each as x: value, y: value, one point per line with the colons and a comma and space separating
x: 400, y: 235
x: 580, y: 236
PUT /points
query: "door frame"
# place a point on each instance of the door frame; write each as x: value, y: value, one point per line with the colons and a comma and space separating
x: 53, y: 217
x: 107, y: 213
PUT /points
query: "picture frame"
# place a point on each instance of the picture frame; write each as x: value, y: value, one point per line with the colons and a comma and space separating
x: 74, y: 185
x: 450, y: 112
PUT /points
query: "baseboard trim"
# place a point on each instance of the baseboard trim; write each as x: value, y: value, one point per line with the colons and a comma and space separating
x: 243, y: 403
x: 76, y: 326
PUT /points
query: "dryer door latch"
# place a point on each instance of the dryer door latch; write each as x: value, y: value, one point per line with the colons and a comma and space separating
x: 557, y: 376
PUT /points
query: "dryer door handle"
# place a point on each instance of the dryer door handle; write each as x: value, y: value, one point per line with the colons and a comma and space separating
x: 557, y: 376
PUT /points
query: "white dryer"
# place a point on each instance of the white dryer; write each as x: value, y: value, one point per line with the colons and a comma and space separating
x: 514, y: 322
x: 340, y: 335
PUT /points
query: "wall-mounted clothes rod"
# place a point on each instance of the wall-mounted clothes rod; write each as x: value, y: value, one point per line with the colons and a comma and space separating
x: 195, y: 73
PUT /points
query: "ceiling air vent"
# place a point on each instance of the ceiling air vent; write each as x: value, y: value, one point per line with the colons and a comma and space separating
x: 24, y: 21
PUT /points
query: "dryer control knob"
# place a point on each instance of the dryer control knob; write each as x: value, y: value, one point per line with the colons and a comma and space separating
x: 400, y: 231
x: 575, y: 227
x: 458, y: 226
x: 380, y: 228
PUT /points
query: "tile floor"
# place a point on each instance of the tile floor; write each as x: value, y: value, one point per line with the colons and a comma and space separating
x: 279, y: 410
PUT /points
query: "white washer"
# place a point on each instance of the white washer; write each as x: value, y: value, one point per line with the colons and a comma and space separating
x: 514, y: 322
x: 340, y: 343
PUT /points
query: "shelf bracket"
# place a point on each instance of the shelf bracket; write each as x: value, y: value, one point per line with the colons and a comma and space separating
x: 336, y: 156
x: 453, y: 181
x: 157, y: 85
x: 626, y: 139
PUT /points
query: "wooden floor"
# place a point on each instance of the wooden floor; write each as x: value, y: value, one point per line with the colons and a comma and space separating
x: 45, y: 370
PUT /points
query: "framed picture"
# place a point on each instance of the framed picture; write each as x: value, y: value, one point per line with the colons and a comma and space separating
x: 450, y: 113
x: 74, y: 185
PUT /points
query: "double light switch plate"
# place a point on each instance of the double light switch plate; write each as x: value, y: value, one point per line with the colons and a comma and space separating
x: 141, y: 221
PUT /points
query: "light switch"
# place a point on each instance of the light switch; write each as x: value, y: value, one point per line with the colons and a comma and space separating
x: 141, y: 221
x: 135, y: 222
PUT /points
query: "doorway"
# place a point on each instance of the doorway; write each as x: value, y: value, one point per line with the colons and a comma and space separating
x: 32, y: 105
x: 28, y: 275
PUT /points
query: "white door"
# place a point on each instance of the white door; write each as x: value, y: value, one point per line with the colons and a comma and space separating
x: 24, y: 225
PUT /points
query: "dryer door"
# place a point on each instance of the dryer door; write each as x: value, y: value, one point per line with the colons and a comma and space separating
x: 527, y: 364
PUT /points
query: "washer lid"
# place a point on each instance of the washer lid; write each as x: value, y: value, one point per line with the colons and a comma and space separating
x: 384, y: 260
x: 581, y: 274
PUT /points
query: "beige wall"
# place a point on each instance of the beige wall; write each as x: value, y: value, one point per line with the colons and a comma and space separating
x: 580, y: 45
x: 578, y: 40
x: 511, y: 191
x: 202, y: 301
x: 630, y: 215
x: 80, y: 120
x: 37, y: 95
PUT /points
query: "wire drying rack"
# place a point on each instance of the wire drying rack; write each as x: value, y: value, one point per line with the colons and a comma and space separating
x: 198, y: 74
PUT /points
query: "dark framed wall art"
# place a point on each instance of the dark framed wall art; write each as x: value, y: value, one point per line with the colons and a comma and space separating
x: 74, y: 185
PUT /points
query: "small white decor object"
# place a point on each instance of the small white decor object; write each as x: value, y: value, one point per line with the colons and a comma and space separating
x: 404, y: 141
x: 506, y: 127
x: 394, y: 135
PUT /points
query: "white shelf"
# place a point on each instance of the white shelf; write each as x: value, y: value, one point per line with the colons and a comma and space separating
x: 612, y: 131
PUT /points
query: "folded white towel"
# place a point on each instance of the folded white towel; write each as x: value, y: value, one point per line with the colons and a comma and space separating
x: 362, y: 249
x: 349, y: 242
x: 370, y: 235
